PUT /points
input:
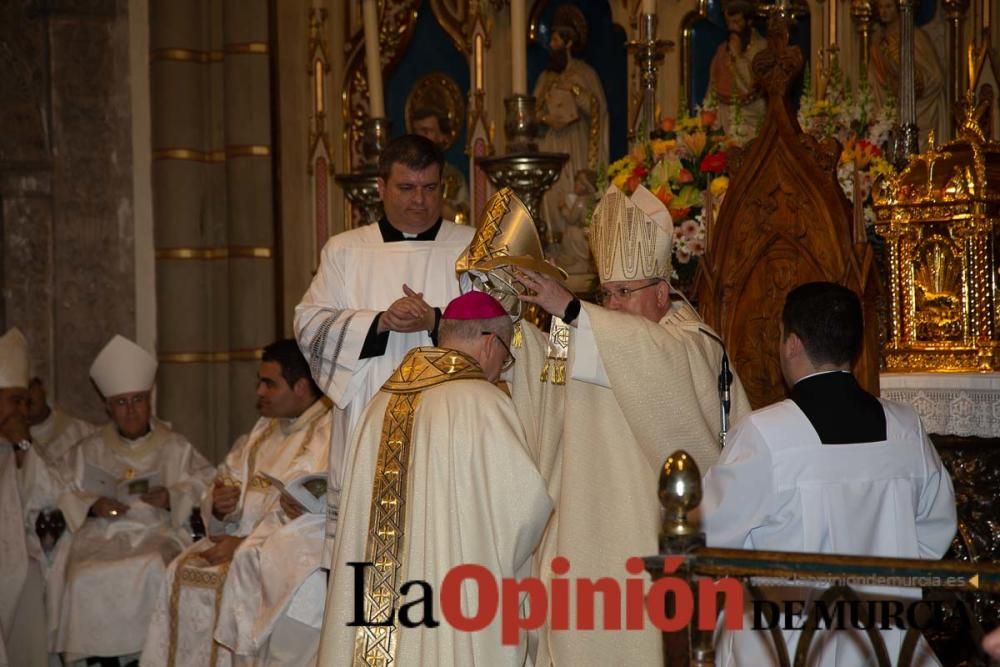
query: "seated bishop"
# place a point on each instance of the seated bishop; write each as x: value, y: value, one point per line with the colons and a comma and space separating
x: 28, y: 485
x: 262, y: 543
x: 54, y: 431
x: 135, y: 482
x: 439, y: 475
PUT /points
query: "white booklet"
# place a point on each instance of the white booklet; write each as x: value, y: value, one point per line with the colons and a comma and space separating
x: 100, y: 481
x: 308, y: 490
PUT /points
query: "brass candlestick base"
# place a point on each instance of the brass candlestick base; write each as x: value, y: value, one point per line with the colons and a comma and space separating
x: 361, y: 188
x: 529, y: 175
x: 523, y: 169
x: 361, y: 185
x: 520, y: 124
x: 374, y: 139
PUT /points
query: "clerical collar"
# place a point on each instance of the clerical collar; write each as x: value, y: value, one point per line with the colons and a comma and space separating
x: 812, y: 375
x: 141, y: 439
x: 390, y: 234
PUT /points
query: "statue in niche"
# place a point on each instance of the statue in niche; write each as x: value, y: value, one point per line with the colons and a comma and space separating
x: 928, y: 76
x: 574, y: 250
x: 730, y: 85
x: 571, y: 109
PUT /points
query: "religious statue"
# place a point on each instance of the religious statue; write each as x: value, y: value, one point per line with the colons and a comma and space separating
x: 730, y: 83
x: 928, y: 77
x: 436, y: 126
x: 572, y: 110
x: 574, y: 250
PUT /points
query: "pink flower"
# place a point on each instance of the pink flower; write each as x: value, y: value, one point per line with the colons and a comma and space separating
x: 689, y: 228
x: 697, y: 247
x: 683, y: 256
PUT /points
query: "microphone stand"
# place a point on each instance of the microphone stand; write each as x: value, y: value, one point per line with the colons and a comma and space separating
x: 725, y: 382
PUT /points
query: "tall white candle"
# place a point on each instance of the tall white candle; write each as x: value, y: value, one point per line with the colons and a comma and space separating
x: 373, y: 59
x: 519, y: 47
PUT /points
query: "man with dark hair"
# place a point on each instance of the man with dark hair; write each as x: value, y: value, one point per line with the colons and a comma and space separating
x: 832, y: 470
x: 245, y: 514
x: 436, y: 126
x: 375, y: 293
x: 442, y: 440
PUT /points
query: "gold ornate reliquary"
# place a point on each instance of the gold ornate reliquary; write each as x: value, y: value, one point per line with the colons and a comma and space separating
x: 940, y: 217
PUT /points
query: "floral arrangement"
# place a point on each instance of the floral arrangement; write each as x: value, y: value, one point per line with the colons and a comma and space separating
x: 684, y: 159
x: 850, y: 117
x: 683, y: 162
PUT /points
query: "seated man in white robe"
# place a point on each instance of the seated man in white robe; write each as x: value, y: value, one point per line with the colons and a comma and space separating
x: 641, y: 381
x: 54, y: 433
x: 53, y: 430
x: 136, y: 482
x: 438, y: 475
x: 291, y: 438
x: 27, y: 484
x: 831, y: 470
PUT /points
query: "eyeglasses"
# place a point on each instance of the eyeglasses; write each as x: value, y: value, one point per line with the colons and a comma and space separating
x: 136, y: 400
x: 605, y: 295
x: 509, y: 361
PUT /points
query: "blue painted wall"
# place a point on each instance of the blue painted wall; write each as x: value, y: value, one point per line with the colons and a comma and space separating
x: 431, y: 50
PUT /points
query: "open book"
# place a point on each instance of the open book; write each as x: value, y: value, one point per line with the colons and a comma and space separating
x: 308, y: 490
x: 100, y: 481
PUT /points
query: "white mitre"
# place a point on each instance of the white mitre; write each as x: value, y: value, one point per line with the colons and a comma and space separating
x: 13, y: 359
x: 123, y: 367
x: 631, y: 237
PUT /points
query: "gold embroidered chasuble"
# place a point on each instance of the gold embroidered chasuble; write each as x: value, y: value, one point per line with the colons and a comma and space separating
x: 450, y: 482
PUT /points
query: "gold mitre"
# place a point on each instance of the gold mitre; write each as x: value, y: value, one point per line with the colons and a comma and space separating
x: 631, y: 237
x: 507, y: 238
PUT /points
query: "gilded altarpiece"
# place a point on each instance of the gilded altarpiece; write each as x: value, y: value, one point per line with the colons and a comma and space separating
x: 784, y: 221
x: 940, y: 218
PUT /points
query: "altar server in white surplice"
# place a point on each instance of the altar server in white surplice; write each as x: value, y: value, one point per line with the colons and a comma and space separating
x: 292, y: 437
x: 379, y: 289
x: 642, y: 377
x: 27, y: 485
x: 136, y: 482
x: 439, y: 476
x: 831, y: 470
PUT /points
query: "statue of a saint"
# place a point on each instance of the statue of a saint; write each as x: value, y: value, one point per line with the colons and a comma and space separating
x: 928, y: 77
x: 730, y: 78
x: 574, y: 250
x: 436, y: 126
x: 571, y: 109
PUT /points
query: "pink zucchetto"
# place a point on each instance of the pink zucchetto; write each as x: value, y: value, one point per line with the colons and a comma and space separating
x: 474, y: 306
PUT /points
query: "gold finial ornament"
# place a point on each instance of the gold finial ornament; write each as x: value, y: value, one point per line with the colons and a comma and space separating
x: 679, y: 492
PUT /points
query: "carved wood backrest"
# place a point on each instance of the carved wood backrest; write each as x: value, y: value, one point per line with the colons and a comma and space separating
x: 785, y: 221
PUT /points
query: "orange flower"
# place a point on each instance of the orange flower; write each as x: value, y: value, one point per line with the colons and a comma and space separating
x: 679, y: 213
x: 708, y: 117
x: 668, y: 124
x: 664, y: 194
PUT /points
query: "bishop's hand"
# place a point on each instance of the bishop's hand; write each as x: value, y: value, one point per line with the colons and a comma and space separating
x: 548, y: 293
